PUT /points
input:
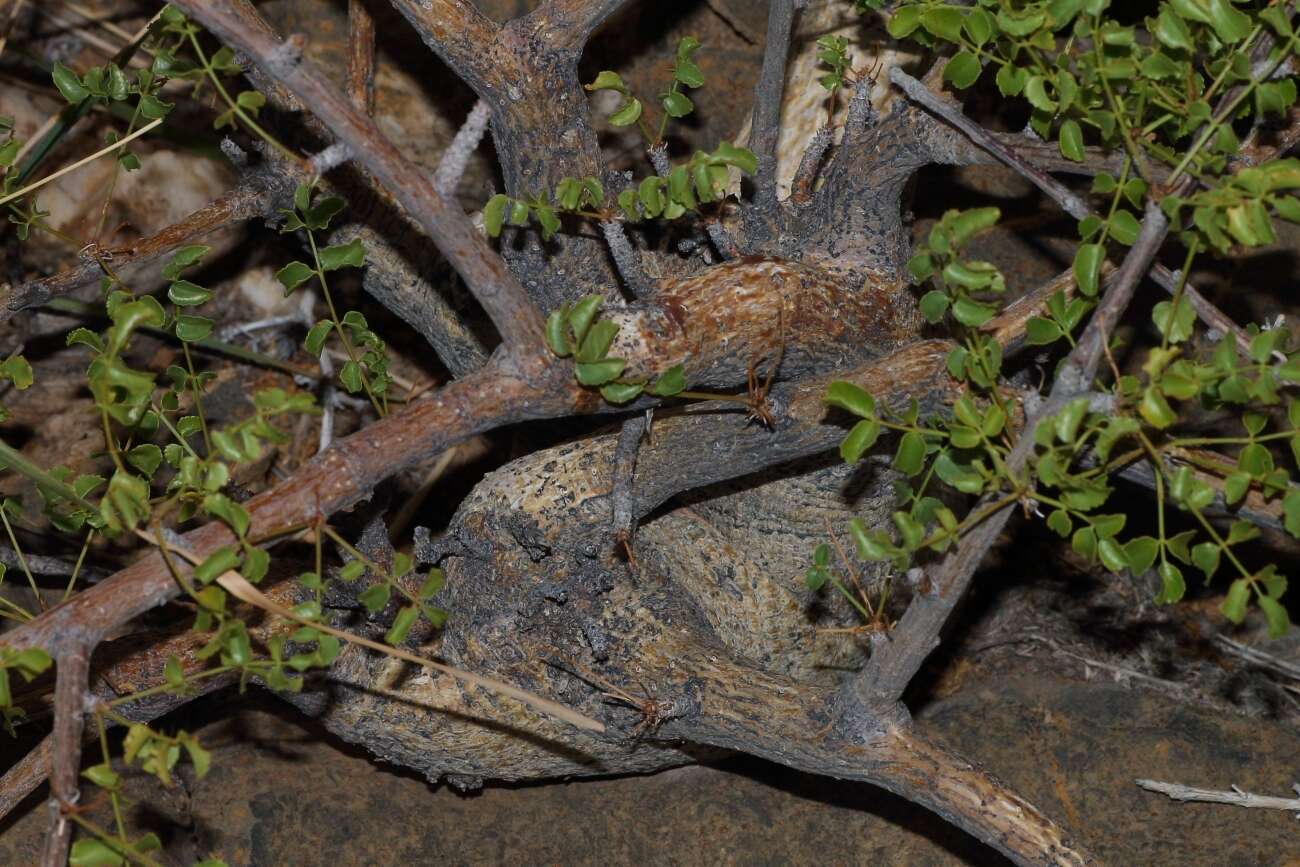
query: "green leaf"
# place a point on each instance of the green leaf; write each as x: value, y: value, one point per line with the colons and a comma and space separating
x: 145, y: 457
x: 861, y: 437
x: 494, y: 214
x: 628, y: 113
x: 1124, y: 227
x: 216, y: 564
x: 293, y: 275
x: 599, y: 372
x: 316, y: 337
x: 815, y: 578
x: 153, y: 108
x: 584, y: 313
x: 943, y: 21
x: 192, y: 329
x: 1141, y: 553
x: 1172, y: 585
x: 909, y: 459
x: 848, y: 396
x: 1010, y: 79
x: 375, y: 597
x: 621, y: 392
x: 972, y: 313
x: 173, y: 673
x: 607, y: 80
x: 102, y: 775
x: 432, y: 584
x: 18, y: 371
x: 596, y: 344
x: 677, y: 104
x: 183, y: 293
x: 90, y: 852
x: 69, y: 84
x: 1172, y: 30
x: 1071, y: 141
x: 962, y: 70
x: 352, y: 377
x: 250, y: 101
x: 904, y: 21
x: 1234, y: 604
x: 1039, y: 331
x: 962, y: 478
x: 350, y: 255
x: 670, y: 382
x: 1291, y: 513
x: 185, y: 257
x: 402, y: 624
x: 352, y: 570
x: 1156, y: 410
x: 1174, y: 323
x: 557, y: 338
x: 1230, y: 25
x: 1275, y: 615
x: 1206, y: 558
x: 934, y: 304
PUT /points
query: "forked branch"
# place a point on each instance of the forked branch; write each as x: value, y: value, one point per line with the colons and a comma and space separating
x: 485, y: 274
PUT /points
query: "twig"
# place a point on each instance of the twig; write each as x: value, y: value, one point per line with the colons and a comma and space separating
x: 625, y: 454
x: 70, y: 691
x: 1259, y: 658
x: 457, y: 156
x: 1236, y: 797
x: 107, y: 149
x: 257, y: 195
x: 11, y: 15
x: 805, y: 177
x: 627, y: 259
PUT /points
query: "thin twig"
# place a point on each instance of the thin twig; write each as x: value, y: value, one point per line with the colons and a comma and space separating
x: 627, y: 258
x: 107, y: 149
x: 451, y: 168
x: 625, y: 453
x: 1236, y: 797
x: 70, y: 692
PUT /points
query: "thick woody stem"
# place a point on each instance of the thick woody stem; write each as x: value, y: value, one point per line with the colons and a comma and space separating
x: 70, y: 690
x: 570, y: 23
x: 361, y: 56
x: 772, y: 718
x: 485, y: 274
x: 766, y: 124
x: 456, y: 31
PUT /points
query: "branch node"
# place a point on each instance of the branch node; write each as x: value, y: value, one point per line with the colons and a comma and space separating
x: 285, y: 57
